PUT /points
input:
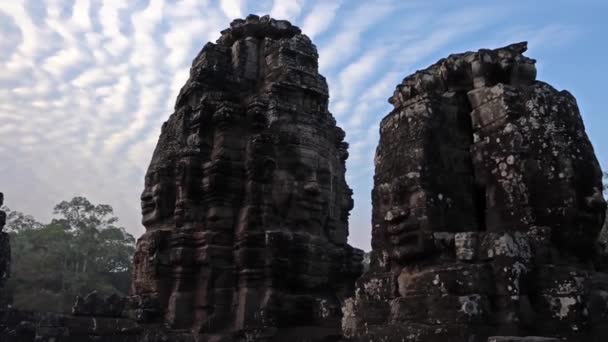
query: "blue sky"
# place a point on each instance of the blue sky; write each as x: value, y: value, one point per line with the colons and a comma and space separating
x: 86, y: 84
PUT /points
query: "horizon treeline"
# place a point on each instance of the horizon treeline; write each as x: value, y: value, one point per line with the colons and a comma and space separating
x: 82, y: 249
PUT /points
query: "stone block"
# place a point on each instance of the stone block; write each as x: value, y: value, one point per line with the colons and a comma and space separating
x: 438, y: 310
x: 455, y: 279
x: 467, y: 246
x: 522, y: 339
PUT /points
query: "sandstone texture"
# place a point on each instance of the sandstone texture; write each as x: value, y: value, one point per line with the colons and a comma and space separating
x: 487, y: 205
x: 245, y: 202
x: 5, y: 260
x: 521, y: 339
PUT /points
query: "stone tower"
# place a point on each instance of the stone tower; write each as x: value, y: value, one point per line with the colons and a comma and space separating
x: 486, y: 206
x: 245, y: 202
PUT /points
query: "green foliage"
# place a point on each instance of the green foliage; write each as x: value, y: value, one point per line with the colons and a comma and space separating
x: 16, y: 221
x: 81, y: 250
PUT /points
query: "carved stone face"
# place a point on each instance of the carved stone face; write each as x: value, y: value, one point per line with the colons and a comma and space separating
x: 406, y: 238
x: 157, y: 199
x: 149, y: 282
x: 256, y: 115
x: 302, y: 189
x: 2, y: 219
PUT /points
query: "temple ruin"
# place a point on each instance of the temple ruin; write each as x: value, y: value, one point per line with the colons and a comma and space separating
x: 486, y: 207
x: 245, y: 203
x: 487, y: 204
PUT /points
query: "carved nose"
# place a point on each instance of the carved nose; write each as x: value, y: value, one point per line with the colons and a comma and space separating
x: 312, y: 188
x: 396, y: 214
x: 146, y: 196
x: 389, y: 216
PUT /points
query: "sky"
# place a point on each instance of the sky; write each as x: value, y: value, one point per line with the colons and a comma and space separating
x: 86, y: 84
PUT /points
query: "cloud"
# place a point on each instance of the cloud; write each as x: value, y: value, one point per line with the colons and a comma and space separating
x: 320, y: 17
x: 232, y: 8
x: 347, y: 39
x: 180, y: 39
x: 109, y: 17
x: 286, y: 9
x: 81, y: 19
x: 357, y: 72
x: 31, y: 42
x: 61, y: 62
x: 85, y: 85
x: 541, y: 37
x: 93, y: 77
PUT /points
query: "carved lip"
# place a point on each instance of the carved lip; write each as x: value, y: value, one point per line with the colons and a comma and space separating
x: 312, y: 205
x: 147, y: 207
x: 402, y: 228
x: 395, y: 229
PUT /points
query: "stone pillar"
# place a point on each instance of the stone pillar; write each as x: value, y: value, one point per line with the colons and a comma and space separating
x: 245, y: 202
x: 5, y: 260
x: 486, y: 206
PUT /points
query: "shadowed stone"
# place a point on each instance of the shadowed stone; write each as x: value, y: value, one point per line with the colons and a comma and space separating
x: 521, y: 339
x: 5, y: 260
x: 94, y: 304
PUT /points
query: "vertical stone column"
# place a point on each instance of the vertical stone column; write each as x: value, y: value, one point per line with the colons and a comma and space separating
x: 245, y: 203
x: 5, y: 260
x: 486, y: 205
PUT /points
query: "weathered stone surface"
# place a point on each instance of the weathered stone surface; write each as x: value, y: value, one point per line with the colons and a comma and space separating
x: 521, y: 339
x: 2, y: 213
x: 245, y: 202
x: 94, y: 304
x: 486, y: 208
x: 19, y: 326
x: 5, y: 260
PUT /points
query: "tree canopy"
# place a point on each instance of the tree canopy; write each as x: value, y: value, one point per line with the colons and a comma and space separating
x: 82, y: 249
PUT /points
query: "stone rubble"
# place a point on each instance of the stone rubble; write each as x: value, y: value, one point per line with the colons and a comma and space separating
x: 93, y: 304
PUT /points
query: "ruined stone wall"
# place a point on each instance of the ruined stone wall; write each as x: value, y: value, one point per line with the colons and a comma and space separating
x: 486, y: 207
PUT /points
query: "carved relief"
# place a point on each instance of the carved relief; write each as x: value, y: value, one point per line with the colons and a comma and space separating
x: 486, y: 207
x: 247, y: 191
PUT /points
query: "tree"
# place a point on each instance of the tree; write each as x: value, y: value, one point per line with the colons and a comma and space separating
x: 80, y: 250
x: 17, y: 221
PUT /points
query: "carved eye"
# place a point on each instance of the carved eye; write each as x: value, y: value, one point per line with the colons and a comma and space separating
x: 384, y: 193
x: 323, y: 176
x: 386, y: 200
x: 268, y: 169
x: 156, y: 189
x: 400, y: 197
x: 301, y: 171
